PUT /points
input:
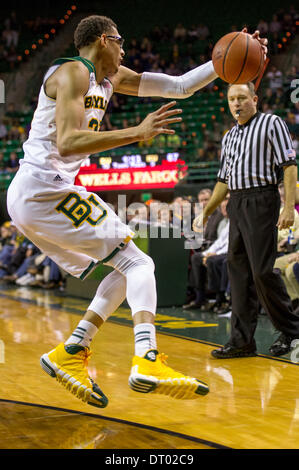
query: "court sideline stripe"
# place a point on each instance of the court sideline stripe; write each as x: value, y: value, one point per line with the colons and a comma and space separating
x: 121, y: 323
x: 215, y: 445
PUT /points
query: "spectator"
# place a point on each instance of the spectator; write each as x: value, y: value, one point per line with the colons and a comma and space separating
x: 269, y: 97
x: 173, y: 141
x: 8, y: 37
x: 198, y: 274
x: 12, y: 24
x: 275, y: 25
x: 3, y: 130
x: 263, y: 27
x: 203, y: 32
x: 295, y: 111
x: 275, y: 78
x: 288, y: 267
x: 266, y: 108
x: 208, y: 152
x: 2, y: 163
x: 280, y: 100
x: 292, y: 125
x: 292, y: 74
x: 180, y: 32
x: 211, y: 229
x: 283, y: 234
x: 192, y: 33
x: 13, y: 163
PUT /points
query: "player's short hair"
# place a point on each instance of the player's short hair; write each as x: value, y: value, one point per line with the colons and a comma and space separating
x: 90, y: 28
x: 250, y: 86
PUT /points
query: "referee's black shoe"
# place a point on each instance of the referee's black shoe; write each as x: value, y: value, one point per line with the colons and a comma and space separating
x: 230, y: 352
x: 282, y: 345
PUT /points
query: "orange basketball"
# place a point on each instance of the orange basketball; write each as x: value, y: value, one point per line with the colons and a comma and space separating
x: 237, y: 58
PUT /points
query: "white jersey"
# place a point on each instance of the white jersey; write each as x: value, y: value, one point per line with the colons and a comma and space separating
x: 75, y: 228
x: 40, y: 149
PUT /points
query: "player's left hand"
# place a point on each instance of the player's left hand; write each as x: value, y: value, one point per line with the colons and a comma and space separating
x: 263, y: 41
x: 286, y: 218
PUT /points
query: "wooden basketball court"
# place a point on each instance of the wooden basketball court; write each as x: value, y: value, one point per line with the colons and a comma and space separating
x: 253, y: 403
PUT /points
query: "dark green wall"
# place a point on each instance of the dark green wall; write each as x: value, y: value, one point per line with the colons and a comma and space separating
x: 136, y: 17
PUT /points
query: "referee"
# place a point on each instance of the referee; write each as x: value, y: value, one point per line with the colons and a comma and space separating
x: 256, y: 154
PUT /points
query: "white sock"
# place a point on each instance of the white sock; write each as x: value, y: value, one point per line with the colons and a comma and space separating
x: 83, y: 334
x: 145, y: 338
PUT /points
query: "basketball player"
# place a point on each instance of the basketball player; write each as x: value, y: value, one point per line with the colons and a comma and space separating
x: 76, y: 228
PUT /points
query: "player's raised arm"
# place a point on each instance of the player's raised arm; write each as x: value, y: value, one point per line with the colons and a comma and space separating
x: 163, y: 85
x: 71, y: 84
x: 167, y: 86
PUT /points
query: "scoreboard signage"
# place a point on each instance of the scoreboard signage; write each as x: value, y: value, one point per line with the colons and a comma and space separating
x: 99, y: 177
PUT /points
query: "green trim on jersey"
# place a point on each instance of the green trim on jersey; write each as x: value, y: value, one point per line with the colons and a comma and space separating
x: 86, y: 62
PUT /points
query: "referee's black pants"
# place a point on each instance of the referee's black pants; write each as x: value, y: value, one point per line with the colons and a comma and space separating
x: 253, y: 215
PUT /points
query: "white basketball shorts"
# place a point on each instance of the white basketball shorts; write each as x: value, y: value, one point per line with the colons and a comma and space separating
x: 75, y: 228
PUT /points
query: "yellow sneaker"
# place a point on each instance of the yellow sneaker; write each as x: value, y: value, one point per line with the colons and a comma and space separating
x: 68, y: 364
x: 151, y: 374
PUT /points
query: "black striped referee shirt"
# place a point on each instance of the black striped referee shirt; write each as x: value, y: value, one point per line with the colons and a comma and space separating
x: 254, y: 153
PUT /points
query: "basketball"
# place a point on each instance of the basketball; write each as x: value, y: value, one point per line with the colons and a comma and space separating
x: 237, y: 58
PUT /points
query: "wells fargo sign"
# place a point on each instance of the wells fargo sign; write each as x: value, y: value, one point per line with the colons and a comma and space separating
x: 162, y: 176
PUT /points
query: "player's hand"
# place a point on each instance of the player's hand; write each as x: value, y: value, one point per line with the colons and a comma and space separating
x: 157, y: 122
x: 286, y: 218
x: 263, y: 41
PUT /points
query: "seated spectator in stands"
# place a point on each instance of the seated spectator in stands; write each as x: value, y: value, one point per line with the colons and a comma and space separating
x: 292, y: 73
x: 2, y: 163
x: 211, y: 230
x: 3, y: 130
x: 292, y: 124
x: 269, y: 96
x: 283, y: 245
x: 5, y: 236
x: 155, y: 67
x: 295, y: 142
x: 287, y: 22
x: 218, y: 282
x: 275, y: 78
x: 173, y: 141
x: 179, y: 32
x: 288, y: 266
x: 24, y: 271
x: 198, y: 274
x: 275, y: 25
x: 14, y: 131
x: 172, y: 69
x: 7, y: 36
x: 280, y: 100
x: 263, y: 27
x: 13, y: 253
x: 11, y: 110
x: 266, y: 108
x: 208, y: 152
x: 160, y: 142
x: 203, y: 32
x: 13, y: 163
x: 13, y: 25
x: 295, y: 111
x: 192, y: 33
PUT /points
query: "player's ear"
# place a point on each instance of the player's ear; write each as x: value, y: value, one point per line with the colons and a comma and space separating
x: 103, y: 40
